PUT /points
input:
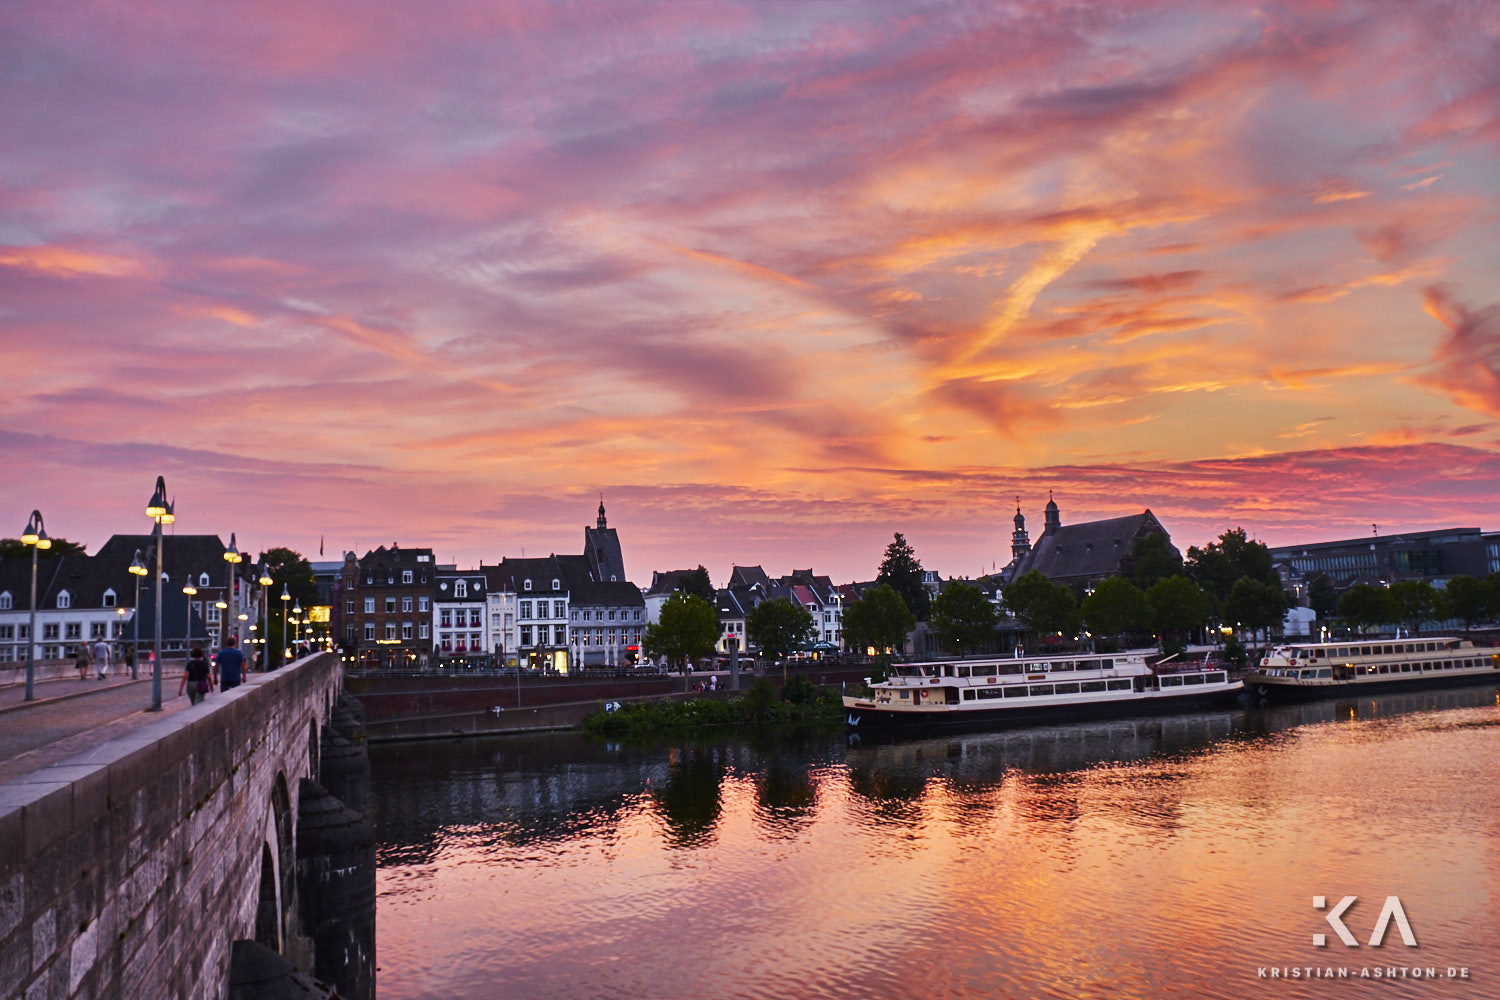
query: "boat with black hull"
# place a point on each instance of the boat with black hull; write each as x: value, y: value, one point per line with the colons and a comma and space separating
x: 971, y: 693
x: 1326, y: 669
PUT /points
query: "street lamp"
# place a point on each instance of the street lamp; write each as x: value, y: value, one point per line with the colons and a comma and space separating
x: 233, y: 558
x: 137, y: 569
x: 189, y: 590
x: 265, y: 631
x: 297, y: 620
x: 35, y: 536
x: 285, y: 596
x: 160, y: 510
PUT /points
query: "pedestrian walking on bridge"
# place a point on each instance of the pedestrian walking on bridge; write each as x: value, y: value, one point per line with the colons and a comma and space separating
x: 229, y: 664
x: 101, y: 658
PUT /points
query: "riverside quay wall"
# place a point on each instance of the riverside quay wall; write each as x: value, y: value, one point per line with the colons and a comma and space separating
x: 138, y: 868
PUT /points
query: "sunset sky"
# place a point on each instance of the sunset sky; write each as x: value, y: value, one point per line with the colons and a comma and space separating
x: 777, y: 279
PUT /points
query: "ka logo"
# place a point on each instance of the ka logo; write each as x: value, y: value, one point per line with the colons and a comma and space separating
x: 1391, y: 911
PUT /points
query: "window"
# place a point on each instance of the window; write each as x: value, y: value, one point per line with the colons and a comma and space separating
x: 6, y: 601
x: 528, y: 585
x: 423, y: 630
x: 349, y: 606
x: 109, y: 598
x: 560, y: 635
x: 96, y: 630
x: 559, y: 609
x: 556, y: 584
x: 406, y: 630
x: 390, y: 630
x: 611, y: 614
x: 445, y: 618
x: 211, y: 616
x: 422, y: 604
x: 476, y: 618
x: 203, y: 580
x: 525, y: 610
x: 525, y: 635
x: 390, y: 605
x: 406, y: 576
x: 406, y: 605
x: 64, y: 600
x: 637, y: 614
x: 460, y: 588
x: 369, y: 605
x: 7, y: 633
x: 349, y: 632
x: 369, y: 631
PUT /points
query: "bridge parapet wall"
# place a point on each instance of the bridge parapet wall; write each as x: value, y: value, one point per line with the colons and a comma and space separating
x: 128, y: 870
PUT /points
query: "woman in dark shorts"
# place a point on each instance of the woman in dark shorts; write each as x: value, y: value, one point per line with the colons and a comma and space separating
x: 194, y: 676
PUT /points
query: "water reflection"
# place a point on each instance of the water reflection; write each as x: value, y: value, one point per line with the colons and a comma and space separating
x: 1142, y: 858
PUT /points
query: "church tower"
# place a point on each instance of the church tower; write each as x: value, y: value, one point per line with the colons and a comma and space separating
x: 1054, y: 517
x: 1020, y: 540
x: 601, y: 523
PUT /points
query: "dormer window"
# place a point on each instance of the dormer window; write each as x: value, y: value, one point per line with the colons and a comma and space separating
x: 528, y: 585
x: 109, y: 598
x: 6, y: 601
x: 369, y: 580
x: 64, y: 600
x: 203, y: 579
x: 557, y: 585
x: 406, y: 576
x: 390, y: 578
x: 460, y: 588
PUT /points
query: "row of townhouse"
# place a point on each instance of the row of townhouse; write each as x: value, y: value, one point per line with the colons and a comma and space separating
x: 399, y: 609
x: 748, y: 586
x: 87, y: 598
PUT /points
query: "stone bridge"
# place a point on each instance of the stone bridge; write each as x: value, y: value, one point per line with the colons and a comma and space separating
x: 197, y: 856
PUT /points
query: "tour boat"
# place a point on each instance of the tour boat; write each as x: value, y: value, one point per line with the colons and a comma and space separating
x: 1321, y: 669
x: 1036, y: 689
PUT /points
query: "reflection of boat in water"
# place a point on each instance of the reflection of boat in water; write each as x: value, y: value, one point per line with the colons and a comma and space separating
x: 1322, y: 670
x: 1037, y: 690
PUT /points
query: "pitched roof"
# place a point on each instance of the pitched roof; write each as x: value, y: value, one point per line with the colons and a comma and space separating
x: 1087, y: 550
x: 584, y: 590
x: 745, y: 576
x: 602, y: 547
x: 666, y: 581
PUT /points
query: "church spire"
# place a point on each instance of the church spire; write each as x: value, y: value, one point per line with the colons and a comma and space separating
x: 1020, y: 540
x: 601, y: 522
x: 1053, y: 515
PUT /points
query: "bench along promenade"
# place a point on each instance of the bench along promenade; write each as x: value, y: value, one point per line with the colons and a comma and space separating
x: 191, y: 852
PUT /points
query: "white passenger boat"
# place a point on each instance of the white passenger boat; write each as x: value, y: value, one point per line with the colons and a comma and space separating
x: 1319, y: 670
x: 1046, y: 689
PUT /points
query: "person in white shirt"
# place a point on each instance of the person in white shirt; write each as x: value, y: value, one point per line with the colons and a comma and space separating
x: 101, y: 657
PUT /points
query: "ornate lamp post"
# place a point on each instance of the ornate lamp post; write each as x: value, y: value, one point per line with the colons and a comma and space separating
x: 189, y: 590
x: 297, y: 620
x: 137, y: 569
x: 285, y: 596
x: 265, y: 628
x: 35, y: 536
x: 233, y: 558
x: 162, y: 512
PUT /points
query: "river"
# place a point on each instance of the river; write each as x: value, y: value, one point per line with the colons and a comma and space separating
x: 1173, y: 857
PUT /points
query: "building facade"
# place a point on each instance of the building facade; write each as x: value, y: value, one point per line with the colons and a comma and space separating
x: 459, y: 607
x: 387, y: 607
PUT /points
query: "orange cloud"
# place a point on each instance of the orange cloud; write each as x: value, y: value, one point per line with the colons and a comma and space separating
x: 67, y: 262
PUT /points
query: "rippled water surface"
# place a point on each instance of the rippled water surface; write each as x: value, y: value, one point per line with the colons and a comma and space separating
x: 1174, y: 857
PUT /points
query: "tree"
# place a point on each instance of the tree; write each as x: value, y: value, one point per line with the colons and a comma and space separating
x: 14, y: 548
x: 698, y: 584
x: 687, y: 628
x: 1218, y: 566
x: 1255, y: 604
x: 1178, y: 606
x: 1153, y: 558
x: 1368, y: 606
x: 778, y: 626
x: 880, y: 619
x: 1471, y: 600
x: 1117, y: 607
x: 962, y: 618
x: 1417, y: 601
x: 903, y: 573
x: 290, y: 571
x: 1322, y: 596
x: 1044, y: 607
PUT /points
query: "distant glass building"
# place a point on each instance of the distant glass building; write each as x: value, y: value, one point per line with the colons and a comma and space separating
x: 1435, y: 556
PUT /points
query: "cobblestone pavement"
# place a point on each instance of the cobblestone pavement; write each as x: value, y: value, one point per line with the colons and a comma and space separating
x: 72, y: 716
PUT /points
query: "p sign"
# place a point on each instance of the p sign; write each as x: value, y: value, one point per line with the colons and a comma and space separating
x: 1390, y: 911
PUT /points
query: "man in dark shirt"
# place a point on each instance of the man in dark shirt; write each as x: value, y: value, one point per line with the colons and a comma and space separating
x: 229, y: 663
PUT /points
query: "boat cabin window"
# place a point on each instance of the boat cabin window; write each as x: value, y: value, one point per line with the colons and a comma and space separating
x: 1040, y: 689
x: 1217, y: 678
x: 969, y: 694
x: 1193, y: 679
x: 965, y: 671
x: 1088, y: 664
x: 1171, y: 682
x: 1093, y: 686
x: 993, y: 692
x: 1107, y: 664
x: 1326, y: 672
x: 1014, y: 691
x: 1066, y: 688
x: 1009, y: 668
x: 1119, y: 685
x: 1063, y: 665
